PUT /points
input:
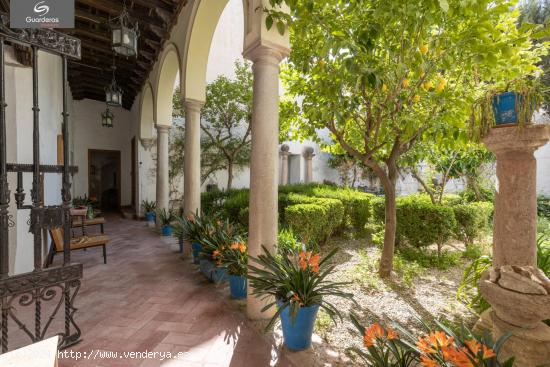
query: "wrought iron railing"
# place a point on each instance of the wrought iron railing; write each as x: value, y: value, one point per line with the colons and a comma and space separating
x: 58, y: 286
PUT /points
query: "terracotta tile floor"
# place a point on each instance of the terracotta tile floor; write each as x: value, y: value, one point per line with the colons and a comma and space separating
x: 148, y: 299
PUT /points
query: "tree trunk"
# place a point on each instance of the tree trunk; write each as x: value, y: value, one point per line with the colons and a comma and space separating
x: 471, y: 182
x: 386, y: 259
x: 229, y: 174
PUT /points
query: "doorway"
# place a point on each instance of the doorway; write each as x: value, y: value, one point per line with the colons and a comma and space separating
x: 104, y: 173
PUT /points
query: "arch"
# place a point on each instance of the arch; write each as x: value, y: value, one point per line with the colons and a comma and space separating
x: 200, y: 33
x: 147, y: 112
x: 169, y: 69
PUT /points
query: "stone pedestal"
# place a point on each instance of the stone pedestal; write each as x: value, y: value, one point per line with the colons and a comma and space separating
x: 284, y: 163
x: 308, y: 156
x: 515, y: 309
x: 163, y: 190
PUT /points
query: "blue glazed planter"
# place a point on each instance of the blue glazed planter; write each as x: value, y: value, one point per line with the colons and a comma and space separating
x: 505, y: 108
x: 150, y: 216
x: 297, y: 336
x: 196, y: 247
x: 167, y: 230
x: 213, y: 273
x: 237, y: 286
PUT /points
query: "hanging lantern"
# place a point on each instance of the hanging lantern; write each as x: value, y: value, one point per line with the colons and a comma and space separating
x: 107, y: 118
x: 124, y: 35
x: 113, y: 93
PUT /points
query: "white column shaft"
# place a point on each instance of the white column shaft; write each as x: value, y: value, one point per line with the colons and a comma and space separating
x: 192, y: 161
x: 163, y: 191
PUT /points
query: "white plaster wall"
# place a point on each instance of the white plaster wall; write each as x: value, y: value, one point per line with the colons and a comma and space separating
x: 88, y: 133
x: 543, y: 170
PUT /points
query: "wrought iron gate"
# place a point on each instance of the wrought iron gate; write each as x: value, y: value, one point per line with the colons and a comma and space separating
x: 58, y: 284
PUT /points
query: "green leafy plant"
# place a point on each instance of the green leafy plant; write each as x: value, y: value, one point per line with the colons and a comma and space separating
x: 287, y: 242
x: 218, y: 235
x: 468, y: 290
x: 472, y: 220
x: 191, y: 228
x: 295, y: 280
x: 234, y: 257
x: 436, y: 346
x: 149, y: 206
x: 166, y: 217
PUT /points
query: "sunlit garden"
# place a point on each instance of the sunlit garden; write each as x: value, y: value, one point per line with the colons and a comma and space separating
x: 442, y: 92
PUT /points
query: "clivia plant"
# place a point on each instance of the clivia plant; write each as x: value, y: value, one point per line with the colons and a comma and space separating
x: 235, y: 259
x: 296, y: 283
x: 191, y: 229
x: 436, y: 347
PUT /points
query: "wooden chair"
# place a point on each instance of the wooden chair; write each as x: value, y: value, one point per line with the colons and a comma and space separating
x: 98, y: 221
x: 79, y: 243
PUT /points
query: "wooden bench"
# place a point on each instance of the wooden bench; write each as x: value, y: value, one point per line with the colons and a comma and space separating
x: 98, y: 221
x: 79, y: 243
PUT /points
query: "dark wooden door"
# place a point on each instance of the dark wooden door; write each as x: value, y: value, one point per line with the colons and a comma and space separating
x: 133, y: 172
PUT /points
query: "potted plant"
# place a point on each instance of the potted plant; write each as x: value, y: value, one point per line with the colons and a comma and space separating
x: 296, y: 283
x: 149, y: 208
x: 218, y: 237
x: 166, y: 217
x: 437, y: 346
x: 191, y: 229
x: 235, y: 259
x: 510, y: 104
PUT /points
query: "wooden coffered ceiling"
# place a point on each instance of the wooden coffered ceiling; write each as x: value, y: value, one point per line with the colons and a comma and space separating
x: 89, y: 76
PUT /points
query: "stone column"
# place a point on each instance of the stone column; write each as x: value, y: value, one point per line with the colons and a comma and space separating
x: 264, y: 159
x: 163, y: 190
x: 516, y: 289
x: 308, y: 155
x: 284, y: 163
x: 192, y: 161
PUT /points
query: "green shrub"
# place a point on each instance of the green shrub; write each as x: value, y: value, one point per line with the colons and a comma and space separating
x: 487, y: 194
x: 543, y: 206
x: 357, y: 205
x: 234, y: 203
x: 472, y: 220
x: 451, y: 199
x: 212, y: 201
x: 287, y: 242
x: 316, y: 221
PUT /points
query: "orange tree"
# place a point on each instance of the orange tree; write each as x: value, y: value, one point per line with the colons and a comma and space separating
x: 382, y: 75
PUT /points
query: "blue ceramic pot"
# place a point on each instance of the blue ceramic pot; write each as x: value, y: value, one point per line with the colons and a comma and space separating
x: 297, y: 335
x: 196, y: 247
x: 167, y: 230
x: 237, y: 286
x: 505, y: 108
x: 150, y: 216
x: 219, y: 275
x: 206, y: 266
x: 213, y: 273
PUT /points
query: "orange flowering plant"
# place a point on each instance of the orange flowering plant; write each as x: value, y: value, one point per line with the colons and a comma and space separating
x: 234, y: 257
x: 295, y: 279
x: 218, y: 237
x: 439, y: 347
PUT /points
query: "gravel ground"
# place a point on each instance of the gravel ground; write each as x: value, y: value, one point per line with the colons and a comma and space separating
x: 430, y: 295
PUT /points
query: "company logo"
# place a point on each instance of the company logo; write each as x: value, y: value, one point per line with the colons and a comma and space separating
x: 41, y: 9
x: 42, y: 14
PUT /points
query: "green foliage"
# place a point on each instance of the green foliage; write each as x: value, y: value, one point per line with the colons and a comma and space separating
x: 226, y: 118
x: 287, y: 242
x: 435, y: 346
x: 296, y: 280
x: 148, y: 206
x: 217, y: 236
x: 234, y: 256
x: 165, y: 216
x: 234, y: 203
x: 472, y: 220
x: 212, y: 201
x: 483, y: 194
x: 428, y: 259
x: 543, y: 254
x: 316, y: 221
x: 192, y: 228
x: 543, y: 206
x: 421, y: 223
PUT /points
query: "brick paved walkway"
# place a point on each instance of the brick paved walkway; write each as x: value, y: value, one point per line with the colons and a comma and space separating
x: 147, y: 299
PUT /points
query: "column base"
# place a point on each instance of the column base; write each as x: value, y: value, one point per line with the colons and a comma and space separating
x: 529, y: 347
x: 255, y: 305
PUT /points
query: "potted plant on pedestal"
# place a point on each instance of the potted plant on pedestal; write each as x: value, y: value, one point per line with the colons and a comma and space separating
x: 235, y: 259
x: 296, y: 283
x: 166, y: 217
x: 149, y: 208
x: 509, y: 104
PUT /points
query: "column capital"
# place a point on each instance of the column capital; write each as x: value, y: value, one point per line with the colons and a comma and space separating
x: 193, y: 104
x: 163, y: 128
x: 266, y: 54
x: 517, y: 139
x: 308, y: 153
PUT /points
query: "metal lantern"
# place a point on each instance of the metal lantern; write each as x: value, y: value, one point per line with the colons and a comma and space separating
x: 113, y: 93
x: 107, y: 118
x: 124, y: 35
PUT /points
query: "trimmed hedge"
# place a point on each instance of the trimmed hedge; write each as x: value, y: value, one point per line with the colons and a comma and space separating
x: 472, y: 220
x: 315, y: 221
